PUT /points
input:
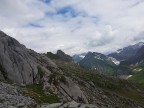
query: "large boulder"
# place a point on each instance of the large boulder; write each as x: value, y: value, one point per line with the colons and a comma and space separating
x: 72, y: 91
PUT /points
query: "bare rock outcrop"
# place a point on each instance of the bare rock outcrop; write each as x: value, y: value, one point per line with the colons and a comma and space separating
x: 72, y: 91
x: 19, y: 64
x: 64, y: 56
x: 25, y: 66
x: 15, y: 60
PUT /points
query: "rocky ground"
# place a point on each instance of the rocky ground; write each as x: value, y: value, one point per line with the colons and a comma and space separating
x: 14, y: 96
x: 11, y: 97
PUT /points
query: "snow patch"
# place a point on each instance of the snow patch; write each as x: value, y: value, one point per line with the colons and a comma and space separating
x: 137, y: 70
x: 98, y: 57
x: 81, y: 56
x: 129, y: 76
x: 114, y: 60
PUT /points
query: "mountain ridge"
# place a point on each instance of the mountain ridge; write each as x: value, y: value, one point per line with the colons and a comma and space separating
x: 29, y: 79
x: 137, y: 58
x: 126, y: 52
x: 98, y: 62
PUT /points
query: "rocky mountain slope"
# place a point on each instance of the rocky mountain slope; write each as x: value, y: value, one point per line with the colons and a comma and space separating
x: 98, y: 62
x: 32, y: 80
x: 102, y: 90
x: 136, y: 59
x: 23, y: 66
x: 127, y: 52
x: 136, y: 65
x: 128, y: 56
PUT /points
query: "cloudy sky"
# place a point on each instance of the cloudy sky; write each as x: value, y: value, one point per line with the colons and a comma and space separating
x: 74, y: 26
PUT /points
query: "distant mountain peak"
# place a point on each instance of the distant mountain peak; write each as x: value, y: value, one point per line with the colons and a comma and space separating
x: 140, y: 44
x: 99, y: 62
x: 64, y: 56
x: 126, y: 52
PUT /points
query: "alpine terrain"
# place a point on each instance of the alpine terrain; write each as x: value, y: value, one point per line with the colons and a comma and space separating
x: 32, y: 80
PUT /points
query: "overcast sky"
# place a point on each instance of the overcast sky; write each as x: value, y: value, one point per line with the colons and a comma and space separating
x: 75, y: 26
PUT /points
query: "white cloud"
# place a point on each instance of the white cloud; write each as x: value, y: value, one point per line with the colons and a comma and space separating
x: 81, y: 25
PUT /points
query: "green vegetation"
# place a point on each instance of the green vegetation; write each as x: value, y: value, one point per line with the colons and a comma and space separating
x: 56, y: 78
x: 40, y: 71
x: 138, y: 74
x: 133, y: 95
x: 74, y: 71
x: 52, y: 56
x: 121, y: 87
x: 37, y: 93
x: 139, y: 77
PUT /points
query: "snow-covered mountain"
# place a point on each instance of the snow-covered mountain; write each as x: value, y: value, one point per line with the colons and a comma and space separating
x: 114, y: 60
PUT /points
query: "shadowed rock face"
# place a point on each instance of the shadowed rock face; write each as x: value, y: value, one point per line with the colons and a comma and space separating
x: 64, y: 56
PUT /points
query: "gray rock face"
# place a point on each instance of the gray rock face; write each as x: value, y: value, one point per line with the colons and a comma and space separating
x: 67, y: 90
x: 19, y: 64
x: 15, y: 60
x: 72, y: 91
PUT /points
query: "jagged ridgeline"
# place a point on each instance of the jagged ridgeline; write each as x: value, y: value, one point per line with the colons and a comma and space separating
x: 33, y: 80
x: 59, y: 55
